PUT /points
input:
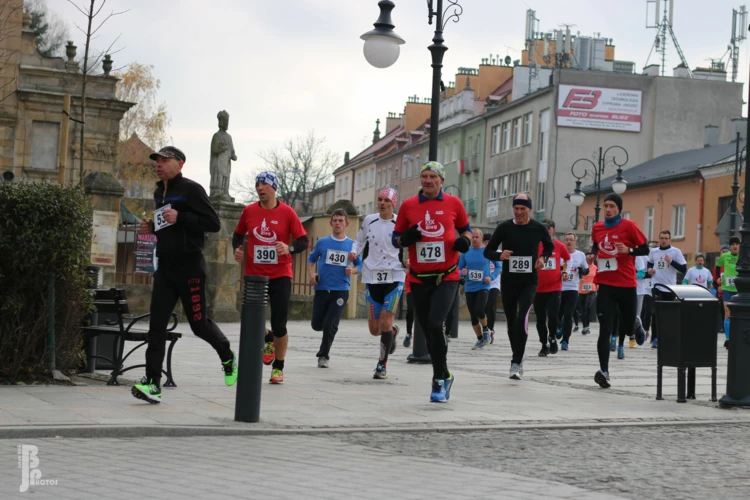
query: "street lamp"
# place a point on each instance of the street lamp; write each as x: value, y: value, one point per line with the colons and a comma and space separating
x: 618, y: 186
x: 735, y: 189
x: 382, y: 50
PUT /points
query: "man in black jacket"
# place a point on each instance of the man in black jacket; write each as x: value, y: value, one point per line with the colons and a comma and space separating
x: 183, y: 214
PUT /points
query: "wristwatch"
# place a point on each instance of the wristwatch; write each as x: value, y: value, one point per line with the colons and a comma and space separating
x: 630, y: 251
x: 291, y: 248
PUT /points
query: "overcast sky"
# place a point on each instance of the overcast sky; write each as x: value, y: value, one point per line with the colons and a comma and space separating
x: 284, y: 67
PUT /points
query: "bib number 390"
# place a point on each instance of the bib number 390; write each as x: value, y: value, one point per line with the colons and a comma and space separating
x: 263, y: 254
x: 432, y: 251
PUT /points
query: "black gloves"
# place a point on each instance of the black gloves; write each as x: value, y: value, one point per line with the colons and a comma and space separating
x: 411, y: 236
x: 462, y: 244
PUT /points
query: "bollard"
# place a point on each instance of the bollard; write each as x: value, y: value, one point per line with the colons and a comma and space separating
x: 419, y: 346
x: 250, y: 357
x: 92, y: 274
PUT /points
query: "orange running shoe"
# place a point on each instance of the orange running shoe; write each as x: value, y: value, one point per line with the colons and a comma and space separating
x: 269, y: 353
x: 277, y: 376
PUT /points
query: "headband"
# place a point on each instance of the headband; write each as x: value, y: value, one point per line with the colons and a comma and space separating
x: 522, y: 201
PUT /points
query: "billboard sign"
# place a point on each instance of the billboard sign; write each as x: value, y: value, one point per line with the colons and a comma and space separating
x: 599, y: 108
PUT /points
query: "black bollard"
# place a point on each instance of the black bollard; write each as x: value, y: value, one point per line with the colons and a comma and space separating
x: 252, y: 334
x: 419, y: 345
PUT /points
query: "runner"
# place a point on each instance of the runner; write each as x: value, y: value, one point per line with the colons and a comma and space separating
x: 699, y: 275
x: 475, y: 269
x: 548, y: 290
x: 409, y: 307
x: 726, y: 267
x: 663, y: 263
x: 183, y: 214
x: 494, y: 291
x: 577, y: 268
x: 427, y: 225
x: 332, y: 282
x: 520, y: 238
x: 643, y: 291
x: 270, y: 225
x: 587, y: 294
x: 383, y: 275
x: 616, y: 242
x: 717, y: 288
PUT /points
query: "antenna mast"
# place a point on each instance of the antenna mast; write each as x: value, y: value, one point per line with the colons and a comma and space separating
x: 663, y: 24
x: 739, y: 21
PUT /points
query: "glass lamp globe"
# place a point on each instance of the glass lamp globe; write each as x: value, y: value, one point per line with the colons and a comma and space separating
x: 619, y: 186
x: 381, y: 51
x: 576, y: 198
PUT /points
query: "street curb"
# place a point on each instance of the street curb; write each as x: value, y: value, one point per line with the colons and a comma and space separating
x: 140, y: 431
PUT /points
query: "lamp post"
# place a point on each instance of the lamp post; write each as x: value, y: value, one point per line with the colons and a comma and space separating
x: 738, y: 365
x: 596, y: 171
x: 382, y: 48
x: 735, y: 189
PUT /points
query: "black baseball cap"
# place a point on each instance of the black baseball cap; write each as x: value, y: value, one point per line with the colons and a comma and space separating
x: 169, y: 152
x: 486, y: 237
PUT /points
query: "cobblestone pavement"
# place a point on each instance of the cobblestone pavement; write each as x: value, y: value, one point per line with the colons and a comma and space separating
x: 648, y: 462
x: 278, y: 467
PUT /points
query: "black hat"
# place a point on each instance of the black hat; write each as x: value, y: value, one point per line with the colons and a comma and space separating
x: 616, y: 198
x: 169, y: 152
x: 486, y: 236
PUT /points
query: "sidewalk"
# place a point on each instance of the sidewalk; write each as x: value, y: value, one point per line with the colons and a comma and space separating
x: 556, y: 391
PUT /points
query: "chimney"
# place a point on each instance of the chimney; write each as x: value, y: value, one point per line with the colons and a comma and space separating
x: 651, y: 70
x: 392, y: 122
x: 711, y: 136
x: 346, y: 157
x: 739, y: 125
x: 376, y: 134
x: 680, y: 71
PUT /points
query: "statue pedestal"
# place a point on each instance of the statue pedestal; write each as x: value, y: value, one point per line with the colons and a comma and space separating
x: 224, y: 273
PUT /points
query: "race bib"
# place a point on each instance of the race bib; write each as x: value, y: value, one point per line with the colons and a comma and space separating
x: 159, y: 221
x: 520, y: 264
x: 264, y: 254
x: 336, y: 258
x: 476, y: 275
x: 550, y: 264
x: 607, y: 265
x: 382, y: 276
x: 649, y: 284
x: 573, y: 275
x: 729, y: 280
x: 587, y: 287
x: 431, y: 251
x: 661, y: 264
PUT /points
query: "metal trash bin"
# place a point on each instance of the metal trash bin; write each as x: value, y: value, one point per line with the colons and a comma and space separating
x: 686, y: 320
x: 101, y: 345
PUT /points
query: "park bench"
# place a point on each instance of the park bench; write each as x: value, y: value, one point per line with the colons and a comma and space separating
x: 113, y: 303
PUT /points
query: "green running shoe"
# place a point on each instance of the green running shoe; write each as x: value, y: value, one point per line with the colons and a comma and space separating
x: 147, y: 392
x: 230, y: 370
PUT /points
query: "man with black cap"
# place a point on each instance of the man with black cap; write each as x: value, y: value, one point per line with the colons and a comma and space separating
x: 617, y: 242
x: 520, y: 238
x: 183, y: 214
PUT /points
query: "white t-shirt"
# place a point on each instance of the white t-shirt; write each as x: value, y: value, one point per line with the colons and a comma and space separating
x: 665, y: 273
x: 701, y: 276
x: 381, y: 254
x: 496, y: 282
x: 577, y: 261
x: 644, y: 285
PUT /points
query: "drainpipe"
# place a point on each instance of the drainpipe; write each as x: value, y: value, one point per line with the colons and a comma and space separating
x: 701, y: 188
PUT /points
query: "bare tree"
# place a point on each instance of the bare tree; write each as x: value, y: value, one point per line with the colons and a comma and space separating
x: 302, y: 165
x: 91, y: 12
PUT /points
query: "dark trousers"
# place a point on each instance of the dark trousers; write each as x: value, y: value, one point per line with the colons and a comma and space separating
x: 586, y: 304
x: 546, y: 308
x: 476, y: 302
x: 517, y: 302
x: 431, y: 306
x: 326, y: 314
x: 409, y: 313
x: 186, y: 282
x: 492, y: 308
x: 609, y: 299
x: 279, y: 296
x: 568, y: 303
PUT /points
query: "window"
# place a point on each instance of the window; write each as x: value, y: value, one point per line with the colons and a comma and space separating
x: 544, y: 136
x: 407, y: 168
x: 45, y: 137
x: 523, y: 185
x: 346, y: 185
x: 626, y: 215
x: 372, y: 176
x: 329, y: 197
x: 517, y: 132
x: 504, y: 186
x: 495, y: 139
x: 369, y: 208
x: 527, y: 128
x: 648, y: 223
x: 338, y: 188
x: 476, y: 189
x: 359, y: 178
x: 678, y: 221
x: 513, y: 181
x: 725, y: 203
x: 505, y: 146
x: 476, y: 147
x: 387, y: 176
x: 492, y: 189
x: 541, y: 188
x: 395, y: 174
x: 454, y: 157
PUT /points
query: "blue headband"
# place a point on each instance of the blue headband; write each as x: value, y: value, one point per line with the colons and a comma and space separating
x: 522, y: 201
x: 269, y: 178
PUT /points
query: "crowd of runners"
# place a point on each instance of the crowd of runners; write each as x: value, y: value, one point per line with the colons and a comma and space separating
x: 427, y: 251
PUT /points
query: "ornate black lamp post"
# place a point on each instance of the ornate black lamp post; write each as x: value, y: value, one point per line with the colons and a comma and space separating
x: 382, y: 50
x: 735, y: 189
x: 738, y: 366
x: 596, y: 171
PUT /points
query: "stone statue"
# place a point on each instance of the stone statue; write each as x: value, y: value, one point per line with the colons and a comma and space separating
x: 222, y: 155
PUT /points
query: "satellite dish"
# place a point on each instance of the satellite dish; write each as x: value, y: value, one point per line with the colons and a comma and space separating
x: 507, y: 60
